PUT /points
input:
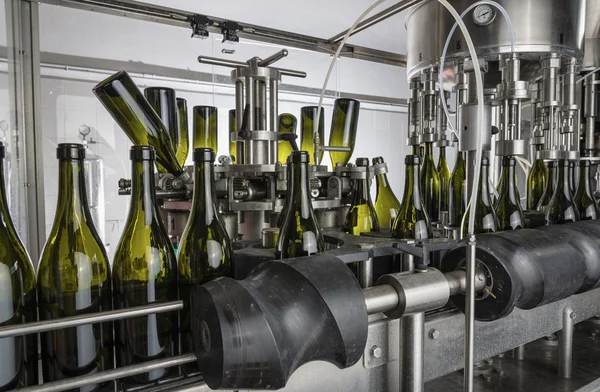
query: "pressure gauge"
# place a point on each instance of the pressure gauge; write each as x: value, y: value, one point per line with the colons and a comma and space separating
x: 484, y: 14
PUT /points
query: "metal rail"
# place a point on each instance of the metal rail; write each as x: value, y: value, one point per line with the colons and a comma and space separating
x: 111, y: 375
x: 111, y: 315
x: 174, y: 17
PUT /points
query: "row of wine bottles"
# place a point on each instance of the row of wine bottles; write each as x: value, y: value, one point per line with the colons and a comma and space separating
x: 74, y: 276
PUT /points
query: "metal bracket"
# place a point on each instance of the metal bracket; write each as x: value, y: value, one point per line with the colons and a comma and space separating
x: 230, y: 29
x: 199, y: 24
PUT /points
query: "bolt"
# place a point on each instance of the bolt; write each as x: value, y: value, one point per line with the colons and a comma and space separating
x: 376, y: 351
x: 434, y: 334
x: 573, y: 315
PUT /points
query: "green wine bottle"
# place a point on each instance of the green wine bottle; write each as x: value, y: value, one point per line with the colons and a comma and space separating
x: 412, y: 221
x: 386, y: 203
x: 144, y: 272
x: 74, y: 279
x: 536, y: 183
x: 430, y: 185
x: 308, y: 125
x: 561, y: 208
x: 300, y: 233
x: 128, y: 107
x: 572, y: 174
x: 343, y: 129
x: 361, y: 218
x: 205, y: 251
x: 508, y: 208
x: 456, y: 192
x: 287, y: 124
x: 205, y: 127
x: 18, y: 301
x: 232, y: 129
x: 486, y: 220
x: 445, y: 177
x: 183, y: 145
x: 584, y: 198
x: 549, y: 189
x: 164, y: 102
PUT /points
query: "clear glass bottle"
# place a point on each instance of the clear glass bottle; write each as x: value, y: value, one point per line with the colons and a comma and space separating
x: 386, y: 203
x: 412, y: 221
x: 144, y: 272
x: 361, y: 217
x: 561, y: 208
x: 508, y: 207
x: 205, y: 250
x: 486, y: 220
x: 74, y: 279
x: 584, y: 198
x: 300, y: 233
x: 18, y: 301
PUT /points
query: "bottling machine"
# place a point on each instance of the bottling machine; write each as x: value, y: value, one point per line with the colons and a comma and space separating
x: 509, y: 309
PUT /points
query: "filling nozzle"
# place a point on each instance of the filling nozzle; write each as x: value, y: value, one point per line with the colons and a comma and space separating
x: 414, y: 112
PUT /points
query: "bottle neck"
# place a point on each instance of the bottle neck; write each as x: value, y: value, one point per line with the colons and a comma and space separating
x: 442, y: 154
x: 298, y: 192
x: 205, y: 198
x: 143, y: 191
x: 484, y: 194
x: 508, y: 181
x: 585, y: 176
x: 362, y: 192
x: 382, y: 181
x: 71, y: 186
x: 428, y: 153
x: 412, y: 191
x: 562, y: 182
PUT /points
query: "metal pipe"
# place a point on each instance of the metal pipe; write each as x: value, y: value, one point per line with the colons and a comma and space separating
x: 365, y: 273
x: 84, y: 319
x: 291, y: 72
x: 565, y: 343
x: 239, y: 114
x: 109, y: 375
x: 250, y: 107
x: 261, y: 103
x: 273, y: 58
x: 519, y: 353
x: 273, y: 117
x: 457, y: 281
x: 412, y: 347
x: 380, y: 298
x: 378, y: 17
x: 221, y: 62
x: 470, y: 315
x: 335, y: 148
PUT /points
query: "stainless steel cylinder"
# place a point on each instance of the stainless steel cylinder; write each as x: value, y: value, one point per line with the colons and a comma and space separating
x: 468, y: 127
x: 412, y: 340
x: 239, y: 113
x: 380, y: 298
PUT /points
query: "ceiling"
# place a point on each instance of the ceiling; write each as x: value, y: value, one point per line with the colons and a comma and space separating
x: 319, y: 18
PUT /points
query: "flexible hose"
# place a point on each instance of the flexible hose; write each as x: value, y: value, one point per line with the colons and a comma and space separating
x: 443, y: 59
x: 332, y: 65
x: 587, y: 76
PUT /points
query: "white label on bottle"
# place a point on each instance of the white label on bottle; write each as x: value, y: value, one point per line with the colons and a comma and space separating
x: 214, y: 253
x: 393, y: 213
x: 86, y: 343
x: 309, y: 242
x: 8, y: 369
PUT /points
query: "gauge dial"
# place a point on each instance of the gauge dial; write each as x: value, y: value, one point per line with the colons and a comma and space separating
x: 484, y: 15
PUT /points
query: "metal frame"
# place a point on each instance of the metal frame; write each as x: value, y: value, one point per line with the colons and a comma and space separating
x: 174, y: 17
x: 24, y: 73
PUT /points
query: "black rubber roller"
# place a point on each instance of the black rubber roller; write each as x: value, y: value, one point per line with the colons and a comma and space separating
x: 256, y: 332
x: 585, y: 238
x: 527, y: 268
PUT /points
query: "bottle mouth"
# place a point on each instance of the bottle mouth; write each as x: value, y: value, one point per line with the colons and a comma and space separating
x: 70, y: 151
x: 412, y: 160
x: 362, y: 162
x: 142, y: 153
x: 299, y: 157
x: 202, y: 155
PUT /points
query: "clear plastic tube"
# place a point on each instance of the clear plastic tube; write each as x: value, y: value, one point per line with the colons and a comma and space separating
x: 443, y: 59
x: 333, y: 61
x: 587, y: 76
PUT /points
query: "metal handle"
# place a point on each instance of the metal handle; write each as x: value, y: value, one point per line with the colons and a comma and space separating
x: 221, y: 62
x: 273, y: 58
x: 291, y: 72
